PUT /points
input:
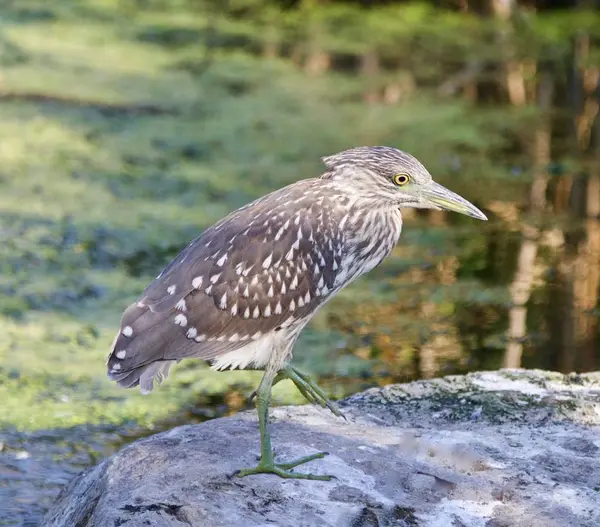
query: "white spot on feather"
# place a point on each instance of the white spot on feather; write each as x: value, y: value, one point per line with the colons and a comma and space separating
x: 121, y: 354
x: 256, y: 312
x: 200, y: 338
x: 292, y: 305
x: 267, y: 311
x: 278, y: 308
x: 234, y: 338
x: 294, y: 282
x: 222, y: 260
x: 181, y: 305
x: 127, y: 331
x: 223, y: 303
x: 247, y: 313
x: 234, y: 309
x: 214, y: 278
x: 267, y: 261
x: 171, y: 289
x: 197, y: 282
x: 116, y: 367
x: 270, y: 292
x: 208, y: 290
x: 191, y: 333
x: 181, y: 320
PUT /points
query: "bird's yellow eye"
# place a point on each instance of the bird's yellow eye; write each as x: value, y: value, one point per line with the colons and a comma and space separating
x: 401, y: 179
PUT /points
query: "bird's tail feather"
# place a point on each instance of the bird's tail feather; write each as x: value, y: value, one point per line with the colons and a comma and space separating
x: 144, y: 376
x: 138, y: 352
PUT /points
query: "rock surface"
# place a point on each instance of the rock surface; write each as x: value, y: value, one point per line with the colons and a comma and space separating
x: 511, y: 448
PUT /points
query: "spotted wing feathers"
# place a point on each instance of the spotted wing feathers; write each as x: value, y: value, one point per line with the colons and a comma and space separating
x: 266, y: 266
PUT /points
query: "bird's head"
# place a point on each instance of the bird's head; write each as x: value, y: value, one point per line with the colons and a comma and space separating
x: 388, y: 175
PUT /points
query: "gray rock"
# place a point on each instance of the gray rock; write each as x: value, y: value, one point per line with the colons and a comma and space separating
x: 510, y: 448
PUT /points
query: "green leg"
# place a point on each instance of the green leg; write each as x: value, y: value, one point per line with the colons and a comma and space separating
x: 267, y: 464
x: 307, y: 387
x: 310, y: 390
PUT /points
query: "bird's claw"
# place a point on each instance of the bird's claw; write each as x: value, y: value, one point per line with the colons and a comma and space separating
x: 284, y: 470
x: 251, y: 398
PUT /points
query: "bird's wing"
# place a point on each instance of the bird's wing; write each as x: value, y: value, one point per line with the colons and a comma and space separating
x: 264, y: 266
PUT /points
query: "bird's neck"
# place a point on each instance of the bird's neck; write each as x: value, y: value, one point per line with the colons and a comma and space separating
x: 369, y: 217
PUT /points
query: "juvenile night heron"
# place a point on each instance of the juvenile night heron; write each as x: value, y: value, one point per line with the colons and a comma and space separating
x: 240, y: 293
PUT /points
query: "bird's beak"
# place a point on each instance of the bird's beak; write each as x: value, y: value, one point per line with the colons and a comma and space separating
x: 439, y: 197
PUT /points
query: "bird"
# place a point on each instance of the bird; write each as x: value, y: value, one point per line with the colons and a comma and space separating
x: 240, y: 293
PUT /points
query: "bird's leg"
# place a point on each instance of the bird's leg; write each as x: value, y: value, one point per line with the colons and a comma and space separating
x: 267, y: 463
x: 307, y: 387
x: 310, y: 390
x: 279, y: 377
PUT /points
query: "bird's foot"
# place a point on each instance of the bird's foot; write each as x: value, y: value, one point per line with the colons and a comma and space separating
x: 311, y: 391
x: 284, y: 470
